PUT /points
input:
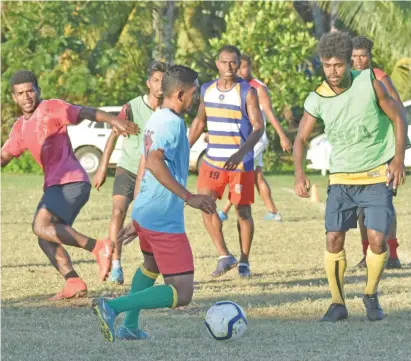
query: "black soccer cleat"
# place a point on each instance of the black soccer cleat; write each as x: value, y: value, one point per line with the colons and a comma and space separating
x: 373, y: 308
x: 393, y: 263
x: 336, y: 312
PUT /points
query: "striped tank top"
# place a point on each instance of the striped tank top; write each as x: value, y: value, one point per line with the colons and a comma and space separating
x: 228, y: 124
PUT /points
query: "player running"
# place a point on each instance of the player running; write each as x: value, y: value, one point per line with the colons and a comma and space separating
x: 367, y: 131
x: 261, y: 183
x: 158, y: 213
x: 42, y: 130
x: 362, y: 58
x: 137, y: 110
x: 229, y: 107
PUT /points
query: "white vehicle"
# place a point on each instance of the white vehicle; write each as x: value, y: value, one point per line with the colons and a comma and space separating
x: 320, y: 149
x: 88, y: 140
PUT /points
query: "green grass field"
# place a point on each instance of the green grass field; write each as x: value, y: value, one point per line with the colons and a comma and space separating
x: 283, y: 300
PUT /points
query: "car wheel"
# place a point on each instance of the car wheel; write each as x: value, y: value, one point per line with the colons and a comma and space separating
x: 199, y: 161
x: 89, y: 158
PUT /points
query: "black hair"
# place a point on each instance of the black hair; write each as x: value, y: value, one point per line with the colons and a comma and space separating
x: 178, y: 77
x: 156, y: 66
x: 229, y: 49
x: 335, y: 44
x: 247, y: 58
x: 361, y: 42
x: 23, y: 76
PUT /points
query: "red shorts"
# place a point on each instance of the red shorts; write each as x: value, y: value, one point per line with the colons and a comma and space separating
x: 240, y: 184
x: 172, y: 251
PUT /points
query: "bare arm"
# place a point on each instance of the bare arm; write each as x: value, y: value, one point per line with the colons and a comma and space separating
x: 302, y: 183
x: 391, y: 89
x: 6, y: 158
x: 198, y: 124
x: 265, y: 102
x: 140, y: 173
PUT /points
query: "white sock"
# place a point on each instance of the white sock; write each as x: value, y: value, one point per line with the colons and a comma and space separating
x: 221, y: 257
x: 116, y: 263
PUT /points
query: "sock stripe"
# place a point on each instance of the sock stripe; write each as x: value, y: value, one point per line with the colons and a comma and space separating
x: 178, y: 274
x: 337, y: 278
x: 148, y: 273
x: 175, y: 297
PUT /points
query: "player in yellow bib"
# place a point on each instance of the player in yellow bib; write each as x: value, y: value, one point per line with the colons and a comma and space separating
x: 367, y: 131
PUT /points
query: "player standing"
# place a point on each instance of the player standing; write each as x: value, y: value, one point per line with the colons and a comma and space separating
x: 42, y: 130
x: 137, y: 110
x: 229, y: 107
x: 367, y: 131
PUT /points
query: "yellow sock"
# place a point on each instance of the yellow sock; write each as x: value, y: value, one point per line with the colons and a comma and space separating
x: 335, y: 265
x: 375, y: 268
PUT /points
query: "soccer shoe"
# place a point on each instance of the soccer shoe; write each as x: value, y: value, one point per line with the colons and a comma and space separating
x: 336, y: 312
x: 106, y: 316
x: 224, y: 265
x: 373, y: 308
x: 393, y: 263
x: 244, y: 270
x: 273, y: 217
x: 362, y: 263
x: 74, y: 287
x: 223, y: 216
x: 130, y: 334
x: 117, y: 276
x: 103, y: 256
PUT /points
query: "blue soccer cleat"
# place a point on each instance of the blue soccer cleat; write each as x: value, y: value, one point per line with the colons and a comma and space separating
x: 106, y: 316
x: 244, y: 270
x: 223, y: 216
x: 273, y: 217
x: 224, y: 265
x: 117, y: 276
x: 130, y: 334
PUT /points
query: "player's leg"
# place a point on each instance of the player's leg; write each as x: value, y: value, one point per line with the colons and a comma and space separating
x: 393, y: 260
x: 364, y: 238
x: 224, y: 213
x: 123, y: 194
x: 172, y: 254
x: 379, y: 211
x: 340, y: 215
x: 64, y: 202
x: 212, y: 181
x: 242, y: 195
x: 264, y: 190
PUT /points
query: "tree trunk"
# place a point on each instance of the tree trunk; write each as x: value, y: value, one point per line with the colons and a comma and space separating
x: 163, y: 21
x: 333, y: 15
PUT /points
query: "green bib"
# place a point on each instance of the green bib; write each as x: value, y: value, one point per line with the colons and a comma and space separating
x: 360, y: 133
x: 131, y: 149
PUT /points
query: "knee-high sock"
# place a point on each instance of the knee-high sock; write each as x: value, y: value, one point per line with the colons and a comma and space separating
x: 335, y: 265
x: 375, y: 268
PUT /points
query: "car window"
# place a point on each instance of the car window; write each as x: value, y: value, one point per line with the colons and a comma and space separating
x: 98, y: 125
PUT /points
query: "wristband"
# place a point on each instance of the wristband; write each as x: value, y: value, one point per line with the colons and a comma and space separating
x: 187, y: 197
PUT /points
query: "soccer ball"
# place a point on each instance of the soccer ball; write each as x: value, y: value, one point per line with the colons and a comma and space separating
x: 225, y: 321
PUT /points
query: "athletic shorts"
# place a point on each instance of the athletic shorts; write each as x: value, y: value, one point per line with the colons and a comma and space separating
x: 124, y: 183
x: 344, y: 203
x: 259, y: 149
x: 172, y: 251
x: 240, y: 184
x: 65, y: 200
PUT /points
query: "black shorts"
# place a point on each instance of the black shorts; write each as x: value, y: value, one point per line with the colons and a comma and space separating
x: 344, y: 203
x: 124, y: 183
x: 65, y: 200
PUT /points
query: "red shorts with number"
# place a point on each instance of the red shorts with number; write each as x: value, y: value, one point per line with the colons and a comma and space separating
x: 172, y: 251
x: 240, y: 184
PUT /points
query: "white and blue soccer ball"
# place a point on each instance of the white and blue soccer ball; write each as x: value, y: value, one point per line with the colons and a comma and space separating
x: 226, y: 321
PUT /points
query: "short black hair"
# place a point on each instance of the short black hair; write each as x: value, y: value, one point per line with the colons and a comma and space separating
x: 335, y: 44
x: 247, y: 58
x: 361, y: 42
x: 23, y: 76
x: 177, y: 77
x: 229, y: 49
x: 156, y: 66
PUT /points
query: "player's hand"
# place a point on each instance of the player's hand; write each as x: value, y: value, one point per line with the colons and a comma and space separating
x: 396, y: 173
x: 124, y: 127
x: 233, y: 162
x: 127, y: 234
x: 302, y: 186
x: 203, y: 202
x: 99, y: 178
x: 286, y: 144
